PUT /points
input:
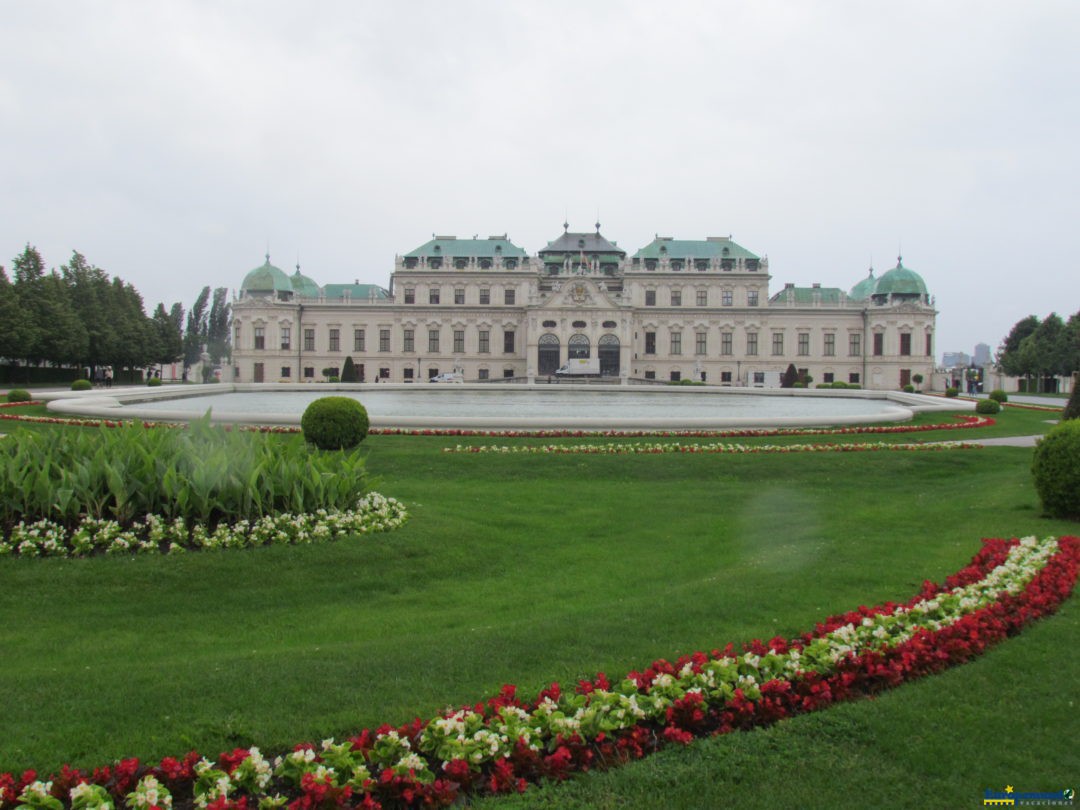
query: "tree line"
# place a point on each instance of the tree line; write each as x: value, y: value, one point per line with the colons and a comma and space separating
x: 1036, y: 349
x: 78, y: 316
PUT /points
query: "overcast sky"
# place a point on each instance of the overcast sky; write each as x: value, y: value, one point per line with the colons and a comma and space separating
x: 172, y: 143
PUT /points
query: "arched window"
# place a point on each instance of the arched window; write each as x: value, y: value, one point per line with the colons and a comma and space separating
x: 607, y: 349
x: 578, y: 346
x: 547, y: 350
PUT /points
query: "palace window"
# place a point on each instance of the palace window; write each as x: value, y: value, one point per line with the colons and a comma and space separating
x: 335, y: 340
x: 700, y: 342
x: 260, y: 337
x: 752, y: 298
x: 459, y: 341
x: 433, y: 341
x: 751, y: 343
x: 853, y: 378
x: 929, y: 345
x: 309, y: 372
x: 702, y: 298
x: 726, y: 298
x: 410, y: 295
x: 778, y: 344
x: 879, y: 344
x: 828, y: 377
x: 676, y: 343
x: 650, y: 298
x: 905, y: 343
x: 286, y: 338
x: 725, y: 343
x: 676, y: 298
x: 408, y: 337
x: 485, y: 296
x: 725, y: 376
x: 830, y: 344
x: 854, y: 345
x: 384, y: 340
x: 358, y: 340
x: 459, y: 295
x: 485, y: 341
x: 433, y: 295
x: 804, y: 344
x: 309, y: 340
x: 650, y: 343
x: 508, y: 297
x: 286, y: 371
x: 482, y: 374
x: 508, y: 341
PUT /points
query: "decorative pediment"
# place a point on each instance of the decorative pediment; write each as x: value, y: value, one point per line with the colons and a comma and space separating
x: 578, y: 293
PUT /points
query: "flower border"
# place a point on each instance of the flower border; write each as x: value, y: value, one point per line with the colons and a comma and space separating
x: 967, y: 421
x: 613, y: 449
x: 504, y: 743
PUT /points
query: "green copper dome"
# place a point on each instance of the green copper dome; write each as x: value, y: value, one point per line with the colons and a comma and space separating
x: 303, y: 286
x: 266, y: 279
x: 900, y: 281
x: 864, y: 289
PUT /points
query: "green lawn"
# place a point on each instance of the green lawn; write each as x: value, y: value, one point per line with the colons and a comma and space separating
x: 538, y: 568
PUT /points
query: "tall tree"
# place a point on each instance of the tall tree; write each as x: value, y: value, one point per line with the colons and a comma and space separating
x: 15, y: 333
x: 94, y: 305
x: 1070, y: 352
x: 136, y: 338
x: 170, y: 338
x: 197, y: 326
x: 1048, y: 342
x: 217, y: 328
x: 1008, y: 355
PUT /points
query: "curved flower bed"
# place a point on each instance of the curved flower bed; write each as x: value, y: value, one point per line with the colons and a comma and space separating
x: 614, y: 449
x: 154, y: 535
x: 966, y: 421
x: 506, y: 742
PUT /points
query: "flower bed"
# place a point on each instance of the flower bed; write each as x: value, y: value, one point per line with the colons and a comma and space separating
x: 156, y: 535
x: 504, y: 743
x: 966, y: 421
x: 735, y: 449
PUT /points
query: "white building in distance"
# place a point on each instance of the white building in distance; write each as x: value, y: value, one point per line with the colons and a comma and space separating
x: 676, y: 309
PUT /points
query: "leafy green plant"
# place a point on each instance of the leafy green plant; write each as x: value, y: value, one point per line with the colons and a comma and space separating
x: 909, y: 389
x: 987, y: 406
x: 154, y: 382
x: 202, y: 474
x: 998, y: 395
x: 81, y: 385
x: 1056, y: 469
x: 18, y: 395
x: 952, y: 392
x: 334, y: 423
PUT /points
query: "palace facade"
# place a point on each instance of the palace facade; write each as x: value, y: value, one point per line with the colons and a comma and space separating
x: 676, y: 309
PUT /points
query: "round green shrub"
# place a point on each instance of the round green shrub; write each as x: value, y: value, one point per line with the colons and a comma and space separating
x: 154, y: 382
x: 987, y: 406
x: 798, y: 384
x: 998, y: 395
x: 1072, y: 408
x: 81, y: 385
x: 1056, y: 469
x: 909, y: 389
x: 952, y: 392
x: 18, y: 395
x: 334, y: 423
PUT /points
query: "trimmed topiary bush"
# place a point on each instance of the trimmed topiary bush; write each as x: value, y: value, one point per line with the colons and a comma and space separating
x: 909, y: 389
x: 952, y: 392
x: 986, y: 406
x: 1056, y: 469
x: 153, y: 382
x: 18, y: 395
x: 1072, y: 409
x: 81, y: 385
x: 998, y: 395
x: 334, y: 423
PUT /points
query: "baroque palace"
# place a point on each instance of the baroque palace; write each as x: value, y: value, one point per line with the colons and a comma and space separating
x: 676, y: 309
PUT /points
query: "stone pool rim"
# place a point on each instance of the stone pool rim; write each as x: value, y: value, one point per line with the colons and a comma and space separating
x: 121, y: 404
